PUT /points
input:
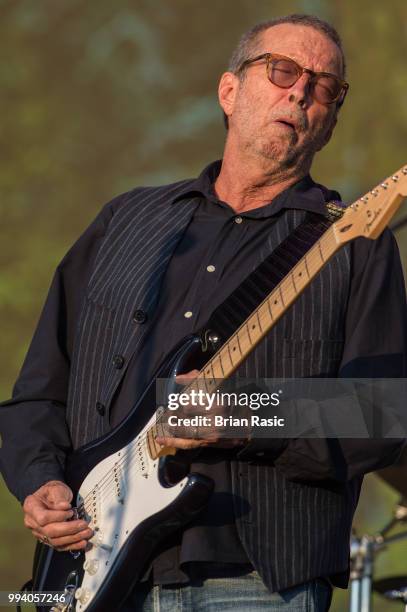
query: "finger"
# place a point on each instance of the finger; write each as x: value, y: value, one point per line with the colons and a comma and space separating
x: 182, y: 443
x: 43, y: 517
x: 38, y: 534
x: 30, y: 523
x: 59, y: 505
x: 53, y: 499
x: 68, y: 528
x: 82, y: 545
x: 37, y: 507
x: 71, y: 539
x: 69, y: 545
x: 55, y: 492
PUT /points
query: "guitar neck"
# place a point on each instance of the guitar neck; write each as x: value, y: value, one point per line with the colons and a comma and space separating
x: 228, y: 358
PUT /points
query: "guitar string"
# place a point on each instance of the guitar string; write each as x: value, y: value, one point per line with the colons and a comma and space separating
x: 327, y: 241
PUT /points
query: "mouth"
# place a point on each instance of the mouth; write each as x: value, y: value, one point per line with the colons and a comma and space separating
x: 286, y: 123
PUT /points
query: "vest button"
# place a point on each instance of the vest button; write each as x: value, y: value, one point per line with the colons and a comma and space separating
x: 100, y: 408
x: 118, y: 362
x: 140, y: 316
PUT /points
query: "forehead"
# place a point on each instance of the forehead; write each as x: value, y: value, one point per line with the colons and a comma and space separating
x: 309, y: 47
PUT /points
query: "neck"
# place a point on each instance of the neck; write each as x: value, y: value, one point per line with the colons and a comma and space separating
x: 247, y: 183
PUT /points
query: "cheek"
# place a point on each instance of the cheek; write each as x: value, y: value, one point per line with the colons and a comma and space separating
x: 321, y: 123
x: 253, y: 102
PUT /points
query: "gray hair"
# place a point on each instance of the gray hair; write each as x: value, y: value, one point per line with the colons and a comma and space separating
x: 249, y: 42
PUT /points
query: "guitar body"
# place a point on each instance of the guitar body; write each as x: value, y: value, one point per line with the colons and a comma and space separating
x: 133, y: 502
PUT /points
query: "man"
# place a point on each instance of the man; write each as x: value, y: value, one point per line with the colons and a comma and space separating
x: 152, y: 268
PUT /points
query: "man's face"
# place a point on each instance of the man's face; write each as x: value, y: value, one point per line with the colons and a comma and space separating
x: 257, y: 104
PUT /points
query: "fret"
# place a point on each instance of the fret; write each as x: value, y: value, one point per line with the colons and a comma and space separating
x: 238, y: 343
x: 230, y: 354
x: 293, y: 281
x: 258, y: 319
x: 203, y: 377
x: 221, y: 364
x: 248, y: 326
x: 248, y: 332
x: 306, y: 265
x: 320, y: 250
x: 269, y: 308
x: 281, y: 295
x: 213, y: 373
x: 216, y: 366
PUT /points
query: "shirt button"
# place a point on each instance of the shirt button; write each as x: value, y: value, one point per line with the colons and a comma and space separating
x: 238, y: 219
x: 188, y: 314
x: 140, y: 316
x: 118, y: 362
x: 100, y: 408
x: 211, y: 268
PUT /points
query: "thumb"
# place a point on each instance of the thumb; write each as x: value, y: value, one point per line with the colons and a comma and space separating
x: 182, y: 379
x: 56, y: 495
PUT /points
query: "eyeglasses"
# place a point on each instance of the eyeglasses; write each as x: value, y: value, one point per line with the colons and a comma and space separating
x: 284, y: 72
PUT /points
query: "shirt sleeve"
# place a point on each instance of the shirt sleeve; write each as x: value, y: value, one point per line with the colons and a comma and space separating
x: 35, y: 437
x: 375, y: 347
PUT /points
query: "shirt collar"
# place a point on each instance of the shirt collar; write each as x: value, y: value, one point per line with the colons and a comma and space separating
x: 304, y: 195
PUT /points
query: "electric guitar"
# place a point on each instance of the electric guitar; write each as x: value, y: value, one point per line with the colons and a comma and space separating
x: 132, y: 491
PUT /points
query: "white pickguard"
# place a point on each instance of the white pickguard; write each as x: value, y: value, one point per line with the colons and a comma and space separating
x: 128, y: 492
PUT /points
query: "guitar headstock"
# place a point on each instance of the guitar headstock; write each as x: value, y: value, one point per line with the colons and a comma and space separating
x: 369, y: 215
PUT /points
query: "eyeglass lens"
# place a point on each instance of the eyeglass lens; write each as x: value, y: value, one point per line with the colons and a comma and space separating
x: 284, y: 73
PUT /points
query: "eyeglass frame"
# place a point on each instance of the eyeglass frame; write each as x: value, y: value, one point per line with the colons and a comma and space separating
x: 300, y: 71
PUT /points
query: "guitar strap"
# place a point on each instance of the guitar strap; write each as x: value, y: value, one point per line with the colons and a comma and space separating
x: 240, y: 304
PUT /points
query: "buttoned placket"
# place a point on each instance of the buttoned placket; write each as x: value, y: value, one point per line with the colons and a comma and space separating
x: 208, y: 274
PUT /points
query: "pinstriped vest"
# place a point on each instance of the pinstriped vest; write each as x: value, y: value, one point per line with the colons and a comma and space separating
x: 291, y: 531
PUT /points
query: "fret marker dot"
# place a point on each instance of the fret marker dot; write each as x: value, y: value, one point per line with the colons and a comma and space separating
x: 211, y: 268
x: 188, y: 314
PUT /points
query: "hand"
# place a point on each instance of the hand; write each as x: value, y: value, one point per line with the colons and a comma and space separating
x: 46, y: 514
x: 212, y: 437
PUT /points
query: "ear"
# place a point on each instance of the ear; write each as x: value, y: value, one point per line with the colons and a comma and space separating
x: 329, y: 131
x: 228, y: 86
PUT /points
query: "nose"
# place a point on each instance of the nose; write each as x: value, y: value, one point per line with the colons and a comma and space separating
x: 300, y: 92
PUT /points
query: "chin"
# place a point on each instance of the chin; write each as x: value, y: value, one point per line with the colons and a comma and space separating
x: 281, y: 155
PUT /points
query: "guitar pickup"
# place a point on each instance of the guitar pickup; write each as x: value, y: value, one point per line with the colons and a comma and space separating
x: 118, y: 483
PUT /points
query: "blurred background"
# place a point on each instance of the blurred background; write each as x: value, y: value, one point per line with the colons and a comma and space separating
x: 99, y: 97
